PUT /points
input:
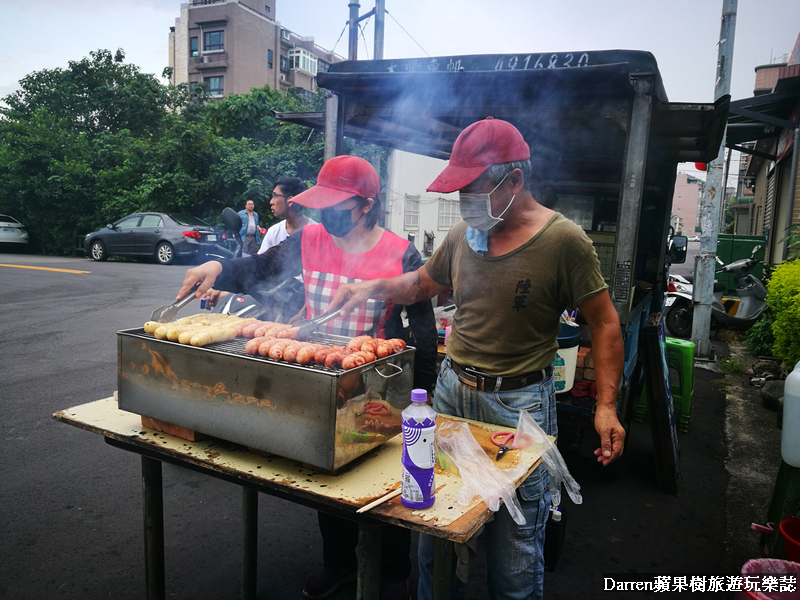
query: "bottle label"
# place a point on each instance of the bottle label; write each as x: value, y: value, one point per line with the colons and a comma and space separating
x: 418, y: 447
x: 417, y: 484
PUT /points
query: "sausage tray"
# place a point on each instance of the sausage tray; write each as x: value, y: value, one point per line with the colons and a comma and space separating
x: 308, y: 413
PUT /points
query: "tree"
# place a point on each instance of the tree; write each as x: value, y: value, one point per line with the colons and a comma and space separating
x: 84, y: 146
x: 97, y: 94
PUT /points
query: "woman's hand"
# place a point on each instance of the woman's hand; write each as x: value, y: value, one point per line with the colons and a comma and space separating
x: 206, y: 274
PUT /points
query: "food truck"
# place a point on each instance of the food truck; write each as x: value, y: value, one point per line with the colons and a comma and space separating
x: 605, y: 141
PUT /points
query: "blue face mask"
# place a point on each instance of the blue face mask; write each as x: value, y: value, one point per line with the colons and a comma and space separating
x: 338, y: 222
x: 476, y: 209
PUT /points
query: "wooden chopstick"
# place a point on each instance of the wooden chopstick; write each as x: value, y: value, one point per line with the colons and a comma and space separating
x: 380, y: 500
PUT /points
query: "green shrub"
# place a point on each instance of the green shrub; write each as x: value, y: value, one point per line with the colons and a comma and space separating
x: 759, y: 337
x: 784, y: 301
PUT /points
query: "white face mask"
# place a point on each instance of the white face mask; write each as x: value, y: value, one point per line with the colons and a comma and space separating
x: 476, y: 209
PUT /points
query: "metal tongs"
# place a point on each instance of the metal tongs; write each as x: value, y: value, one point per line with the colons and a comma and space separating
x: 309, y: 326
x: 165, y: 314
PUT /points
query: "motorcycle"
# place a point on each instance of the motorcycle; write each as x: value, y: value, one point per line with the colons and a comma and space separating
x: 735, y: 312
x: 277, y: 303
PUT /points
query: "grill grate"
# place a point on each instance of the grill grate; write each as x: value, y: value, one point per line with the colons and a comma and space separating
x: 236, y: 347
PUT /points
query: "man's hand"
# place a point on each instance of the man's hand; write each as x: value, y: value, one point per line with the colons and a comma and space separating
x: 213, y: 298
x: 206, y: 274
x: 351, y: 295
x: 612, y: 435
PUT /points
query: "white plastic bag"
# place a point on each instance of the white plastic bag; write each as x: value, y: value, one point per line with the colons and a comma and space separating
x: 528, y: 428
x: 481, y: 477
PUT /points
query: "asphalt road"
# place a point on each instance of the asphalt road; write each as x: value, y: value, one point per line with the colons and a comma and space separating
x: 70, y: 505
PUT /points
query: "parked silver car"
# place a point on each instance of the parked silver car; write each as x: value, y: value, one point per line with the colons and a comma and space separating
x: 12, y: 232
x: 160, y: 235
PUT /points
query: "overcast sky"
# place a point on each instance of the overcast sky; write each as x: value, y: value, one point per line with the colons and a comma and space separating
x: 681, y: 34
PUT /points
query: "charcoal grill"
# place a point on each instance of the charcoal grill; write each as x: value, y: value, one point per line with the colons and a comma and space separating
x: 303, y: 412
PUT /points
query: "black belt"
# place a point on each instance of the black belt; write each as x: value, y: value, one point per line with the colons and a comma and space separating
x: 488, y: 383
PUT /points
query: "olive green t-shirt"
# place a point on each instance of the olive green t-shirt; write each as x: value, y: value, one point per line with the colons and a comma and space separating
x: 507, y: 307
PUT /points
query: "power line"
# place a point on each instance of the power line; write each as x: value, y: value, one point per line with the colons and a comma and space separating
x: 408, y: 34
x: 346, y: 23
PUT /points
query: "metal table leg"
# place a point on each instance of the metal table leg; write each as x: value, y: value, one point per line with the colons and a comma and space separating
x: 153, y: 505
x: 249, y: 543
x: 442, y: 568
x: 368, y: 554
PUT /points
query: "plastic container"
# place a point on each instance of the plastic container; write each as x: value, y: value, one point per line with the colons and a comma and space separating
x: 769, y: 566
x: 419, y: 430
x: 569, y: 338
x: 790, y: 433
x: 790, y: 529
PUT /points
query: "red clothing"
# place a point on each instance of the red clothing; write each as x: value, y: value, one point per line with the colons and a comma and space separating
x: 326, y: 267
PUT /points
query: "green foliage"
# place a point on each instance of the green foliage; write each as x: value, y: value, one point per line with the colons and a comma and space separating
x: 784, y: 302
x: 97, y: 94
x: 793, y: 240
x: 733, y: 366
x: 84, y: 146
x: 759, y: 337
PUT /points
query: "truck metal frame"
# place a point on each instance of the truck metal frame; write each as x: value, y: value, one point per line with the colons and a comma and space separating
x: 598, y: 123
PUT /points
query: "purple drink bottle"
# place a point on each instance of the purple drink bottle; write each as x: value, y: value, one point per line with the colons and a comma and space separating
x: 419, y: 429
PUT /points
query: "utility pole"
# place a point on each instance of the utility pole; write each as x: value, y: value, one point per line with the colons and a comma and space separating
x: 705, y: 262
x: 352, y: 49
x: 380, y: 16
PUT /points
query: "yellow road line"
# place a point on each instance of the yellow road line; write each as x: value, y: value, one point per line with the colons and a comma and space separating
x: 43, y: 269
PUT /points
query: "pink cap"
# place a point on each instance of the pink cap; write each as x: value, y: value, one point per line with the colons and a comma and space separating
x: 478, y: 147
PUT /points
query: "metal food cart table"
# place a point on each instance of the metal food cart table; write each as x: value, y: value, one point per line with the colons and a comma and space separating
x: 342, y: 494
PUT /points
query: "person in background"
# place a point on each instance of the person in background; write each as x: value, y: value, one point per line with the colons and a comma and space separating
x: 283, y: 207
x: 249, y: 231
x: 291, y: 299
x: 512, y: 276
x: 347, y: 246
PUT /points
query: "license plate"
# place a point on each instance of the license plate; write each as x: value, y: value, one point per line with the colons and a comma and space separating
x: 212, y: 238
x: 670, y: 300
x: 8, y: 230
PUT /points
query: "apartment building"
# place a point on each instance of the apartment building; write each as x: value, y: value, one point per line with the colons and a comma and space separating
x: 235, y: 45
x: 685, y: 202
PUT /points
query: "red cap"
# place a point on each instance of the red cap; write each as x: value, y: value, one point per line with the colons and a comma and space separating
x: 340, y: 178
x: 478, y: 147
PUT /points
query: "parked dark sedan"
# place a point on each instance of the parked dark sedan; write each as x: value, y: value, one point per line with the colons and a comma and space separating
x: 163, y: 236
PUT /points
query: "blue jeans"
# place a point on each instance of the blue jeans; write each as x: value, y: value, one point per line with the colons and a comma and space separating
x: 515, y: 560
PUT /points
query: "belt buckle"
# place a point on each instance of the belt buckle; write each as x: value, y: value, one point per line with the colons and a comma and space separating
x: 480, y: 378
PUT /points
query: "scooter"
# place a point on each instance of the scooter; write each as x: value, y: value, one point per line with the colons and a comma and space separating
x: 277, y: 303
x: 735, y: 312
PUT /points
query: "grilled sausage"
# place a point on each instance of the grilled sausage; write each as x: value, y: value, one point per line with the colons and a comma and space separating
x: 212, y: 335
x: 334, y: 359
x: 351, y: 361
x: 369, y: 346
x: 291, y: 350
x: 306, y: 353
x: 265, y: 347
x: 367, y: 356
x: 384, y: 350
x: 288, y: 334
x: 249, y: 329
x: 276, y: 350
x: 355, y: 343
x: 251, y: 347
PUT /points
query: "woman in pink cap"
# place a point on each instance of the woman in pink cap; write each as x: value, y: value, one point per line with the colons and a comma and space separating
x: 347, y: 246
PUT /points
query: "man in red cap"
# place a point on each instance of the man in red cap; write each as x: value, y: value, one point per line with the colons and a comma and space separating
x: 346, y: 246
x: 514, y: 267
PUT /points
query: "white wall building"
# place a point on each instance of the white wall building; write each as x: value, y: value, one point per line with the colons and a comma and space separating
x: 427, y: 216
